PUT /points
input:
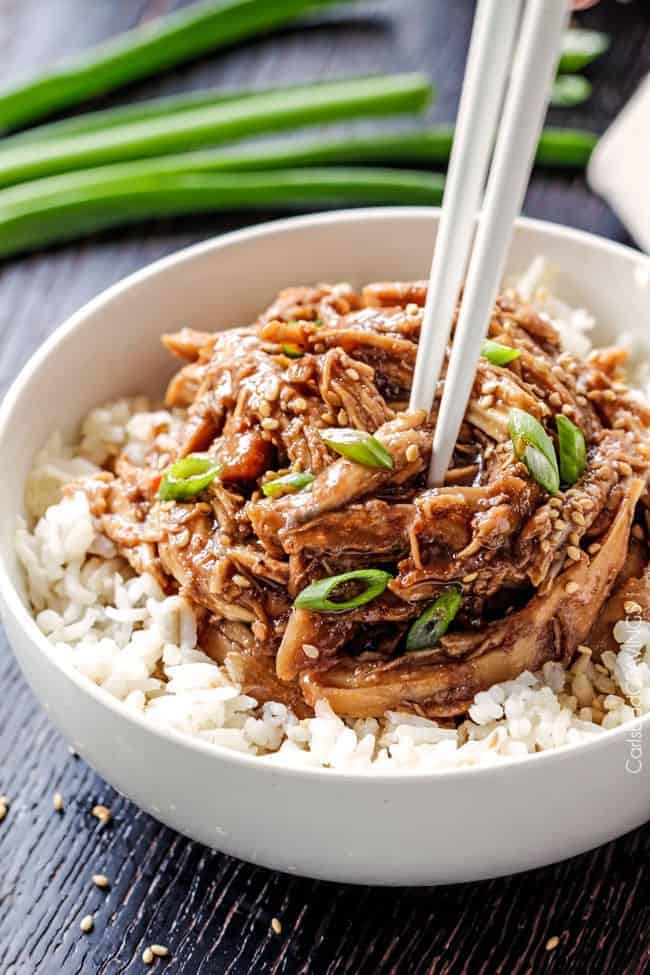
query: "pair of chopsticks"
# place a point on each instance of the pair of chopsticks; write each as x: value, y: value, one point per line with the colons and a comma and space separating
x: 524, y: 34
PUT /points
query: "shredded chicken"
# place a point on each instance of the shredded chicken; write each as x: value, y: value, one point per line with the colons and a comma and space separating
x: 537, y: 574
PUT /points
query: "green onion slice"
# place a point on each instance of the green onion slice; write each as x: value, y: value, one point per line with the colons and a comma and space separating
x: 187, y: 477
x: 498, y: 354
x: 573, y: 450
x: 570, y: 90
x: 287, y: 484
x: 580, y: 48
x: 358, y: 446
x: 434, y: 621
x: 534, y: 447
x: 292, y: 351
x: 316, y: 596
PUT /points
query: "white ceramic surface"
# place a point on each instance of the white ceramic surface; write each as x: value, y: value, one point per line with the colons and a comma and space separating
x: 389, y: 828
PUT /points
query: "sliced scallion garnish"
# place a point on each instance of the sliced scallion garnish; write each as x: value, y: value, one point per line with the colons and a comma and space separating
x: 434, y: 621
x: 569, y: 90
x: 287, y: 484
x: 572, y: 450
x: 358, y: 446
x: 533, y: 446
x: 498, y: 354
x: 316, y: 596
x: 581, y: 47
x: 188, y: 477
x: 292, y: 351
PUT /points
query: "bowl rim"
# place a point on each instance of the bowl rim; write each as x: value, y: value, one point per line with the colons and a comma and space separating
x: 266, y: 764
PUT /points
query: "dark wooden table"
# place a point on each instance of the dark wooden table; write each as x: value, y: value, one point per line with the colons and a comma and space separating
x: 214, y: 912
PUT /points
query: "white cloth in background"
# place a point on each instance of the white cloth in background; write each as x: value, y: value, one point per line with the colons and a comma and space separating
x: 619, y: 169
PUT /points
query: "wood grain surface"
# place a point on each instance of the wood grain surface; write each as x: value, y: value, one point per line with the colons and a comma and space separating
x: 214, y: 913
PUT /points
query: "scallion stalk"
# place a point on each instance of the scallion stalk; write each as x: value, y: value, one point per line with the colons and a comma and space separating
x: 55, y: 214
x: 145, y: 51
x: 569, y: 148
x: 327, y: 102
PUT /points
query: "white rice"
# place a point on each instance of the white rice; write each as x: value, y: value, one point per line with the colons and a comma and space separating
x: 126, y: 636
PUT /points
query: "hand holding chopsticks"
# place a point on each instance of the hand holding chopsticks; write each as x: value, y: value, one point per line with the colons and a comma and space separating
x: 533, y: 30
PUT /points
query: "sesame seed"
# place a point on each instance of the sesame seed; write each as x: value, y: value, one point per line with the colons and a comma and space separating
x: 241, y: 581
x: 555, y: 399
x: 57, y: 802
x: 609, y: 395
x: 353, y: 375
x: 631, y: 607
x: 574, y: 539
x: 101, y: 880
x: 270, y: 423
x: 552, y: 943
x: 574, y: 553
x: 578, y: 518
x: 102, y: 813
x: 553, y: 514
x: 310, y: 651
x: 412, y: 453
x: 555, y: 503
x: 277, y: 927
x: 148, y: 956
x: 327, y: 418
x: 265, y: 408
x: 624, y: 468
x: 87, y: 923
x: 272, y: 391
x: 412, y: 308
x: 585, y: 650
x: 581, y: 400
x: 298, y: 405
x: 560, y: 525
x: 571, y: 587
x: 259, y: 631
x: 567, y: 409
x: 160, y: 951
x: 485, y: 402
x: 470, y: 577
x: 342, y: 418
x: 595, y: 547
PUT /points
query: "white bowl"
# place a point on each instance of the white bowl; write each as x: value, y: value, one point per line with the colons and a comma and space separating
x: 388, y: 828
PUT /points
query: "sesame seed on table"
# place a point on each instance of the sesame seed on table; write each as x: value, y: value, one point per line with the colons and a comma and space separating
x: 89, y: 883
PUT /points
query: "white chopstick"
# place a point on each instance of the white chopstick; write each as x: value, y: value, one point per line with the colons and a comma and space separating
x: 535, y: 61
x: 486, y: 73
